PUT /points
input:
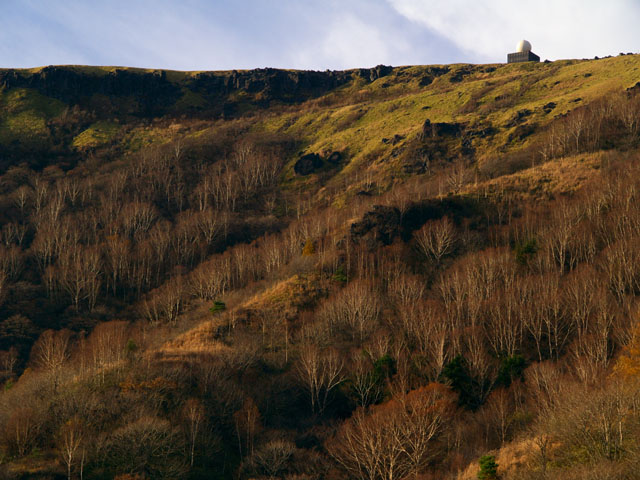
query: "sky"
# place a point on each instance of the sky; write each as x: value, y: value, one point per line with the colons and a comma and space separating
x: 307, y: 34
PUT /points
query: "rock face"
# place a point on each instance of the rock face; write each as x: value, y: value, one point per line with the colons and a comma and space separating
x: 152, y: 93
x: 372, y: 74
x: 335, y: 158
x: 308, y: 164
x: 312, y: 162
x: 383, y: 224
x: 273, y: 84
x: 440, y: 129
x: 431, y: 74
x: 378, y: 227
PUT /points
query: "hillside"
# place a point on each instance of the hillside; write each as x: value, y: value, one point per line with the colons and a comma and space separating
x: 374, y: 273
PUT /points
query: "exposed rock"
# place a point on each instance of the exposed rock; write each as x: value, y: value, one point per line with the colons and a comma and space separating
x: 431, y: 73
x: 144, y: 93
x: 483, y: 131
x: 373, y: 74
x: 395, y: 140
x: 378, y: 227
x: 549, y: 106
x: 459, y: 74
x: 440, y: 129
x: 518, y: 118
x: 335, y: 158
x: 148, y: 93
x: 383, y: 224
x: 635, y: 88
x: 308, y: 164
x: 521, y: 132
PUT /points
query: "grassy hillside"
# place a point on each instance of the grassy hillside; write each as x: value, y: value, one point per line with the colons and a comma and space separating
x: 258, y: 274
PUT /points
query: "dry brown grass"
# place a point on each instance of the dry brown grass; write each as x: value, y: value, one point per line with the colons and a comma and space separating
x: 510, y: 459
x: 542, y: 182
x: 286, y: 298
x: 200, y: 340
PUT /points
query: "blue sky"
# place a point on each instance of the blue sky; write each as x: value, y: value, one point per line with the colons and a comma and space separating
x: 307, y: 34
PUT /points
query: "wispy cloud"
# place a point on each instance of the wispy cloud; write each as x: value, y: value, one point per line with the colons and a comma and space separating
x: 557, y: 28
x: 314, y: 34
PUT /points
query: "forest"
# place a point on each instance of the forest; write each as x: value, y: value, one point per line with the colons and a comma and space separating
x: 395, y: 273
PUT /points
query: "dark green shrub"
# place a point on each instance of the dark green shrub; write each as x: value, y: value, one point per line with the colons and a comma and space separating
x: 218, y: 307
x: 488, y: 468
x: 526, y: 250
x: 339, y: 275
x: 511, y: 368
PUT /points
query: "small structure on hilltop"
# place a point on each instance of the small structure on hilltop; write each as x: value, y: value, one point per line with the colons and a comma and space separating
x: 523, y: 53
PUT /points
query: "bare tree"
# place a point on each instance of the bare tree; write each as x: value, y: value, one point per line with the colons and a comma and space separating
x: 22, y: 429
x: 71, y: 437
x: 247, y: 421
x: 395, y: 439
x: 436, y: 238
x: 194, y: 415
x: 51, y: 351
x: 357, y: 307
x: 106, y: 345
x: 364, y: 383
x: 320, y: 372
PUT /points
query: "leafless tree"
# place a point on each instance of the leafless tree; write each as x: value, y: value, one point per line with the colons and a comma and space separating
x: 194, y: 415
x: 22, y: 429
x: 51, y: 351
x: 320, y: 372
x: 395, y: 440
x: 247, y: 422
x: 364, y: 383
x: 436, y: 238
x: 106, y: 345
x: 71, y: 437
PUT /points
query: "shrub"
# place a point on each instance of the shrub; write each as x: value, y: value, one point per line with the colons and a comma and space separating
x: 488, y: 468
x: 309, y: 248
x: 218, y: 307
x: 526, y: 250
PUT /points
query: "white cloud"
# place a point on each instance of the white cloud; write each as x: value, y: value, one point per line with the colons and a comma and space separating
x: 349, y: 42
x: 556, y: 28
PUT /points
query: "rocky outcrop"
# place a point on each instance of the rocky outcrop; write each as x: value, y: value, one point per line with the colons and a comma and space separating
x: 519, y: 117
x: 441, y: 129
x: 431, y: 73
x: 312, y: 162
x: 308, y: 164
x: 373, y: 74
x: 335, y: 158
x: 378, y: 227
x: 151, y: 93
x: 273, y: 84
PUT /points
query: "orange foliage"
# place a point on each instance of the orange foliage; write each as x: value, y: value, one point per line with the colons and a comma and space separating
x: 628, y: 364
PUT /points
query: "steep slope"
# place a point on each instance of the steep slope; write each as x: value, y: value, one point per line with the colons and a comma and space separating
x: 253, y: 274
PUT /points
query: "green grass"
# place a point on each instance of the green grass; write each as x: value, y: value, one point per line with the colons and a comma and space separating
x: 98, y: 134
x: 24, y: 114
x: 358, y: 115
x: 396, y: 104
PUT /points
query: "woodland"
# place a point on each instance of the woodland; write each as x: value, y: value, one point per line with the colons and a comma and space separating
x: 378, y: 274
